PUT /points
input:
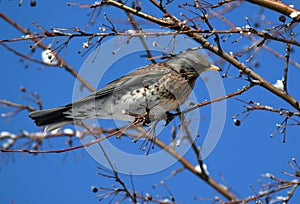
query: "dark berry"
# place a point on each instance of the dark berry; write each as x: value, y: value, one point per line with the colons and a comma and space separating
x: 32, y: 3
x: 23, y: 89
x: 94, y: 189
x: 138, y: 8
x: 282, y: 18
x: 237, y: 122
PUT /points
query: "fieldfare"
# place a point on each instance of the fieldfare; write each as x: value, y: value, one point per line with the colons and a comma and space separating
x: 151, y: 91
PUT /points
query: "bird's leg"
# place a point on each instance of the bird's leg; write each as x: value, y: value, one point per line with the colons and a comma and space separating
x: 146, y: 118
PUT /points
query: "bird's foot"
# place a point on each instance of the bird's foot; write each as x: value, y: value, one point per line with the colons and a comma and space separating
x: 143, y: 119
x: 170, y: 117
x: 146, y: 120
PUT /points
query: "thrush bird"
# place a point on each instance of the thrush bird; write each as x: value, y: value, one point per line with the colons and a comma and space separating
x: 151, y: 91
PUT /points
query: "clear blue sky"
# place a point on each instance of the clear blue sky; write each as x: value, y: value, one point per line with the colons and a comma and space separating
x: 241, y: 155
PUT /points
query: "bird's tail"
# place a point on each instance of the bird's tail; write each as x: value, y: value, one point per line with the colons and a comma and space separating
x: 53, y: 118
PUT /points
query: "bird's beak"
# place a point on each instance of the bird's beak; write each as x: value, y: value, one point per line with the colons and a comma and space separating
x: 214, y: 68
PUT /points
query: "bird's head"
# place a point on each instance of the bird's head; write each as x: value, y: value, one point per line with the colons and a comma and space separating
x: 191, y: 61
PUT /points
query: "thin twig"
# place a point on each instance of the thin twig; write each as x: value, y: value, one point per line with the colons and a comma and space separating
x: 239, y: 92
x: 16, y: 105
x: 142, y: 39
x: 286, y: 67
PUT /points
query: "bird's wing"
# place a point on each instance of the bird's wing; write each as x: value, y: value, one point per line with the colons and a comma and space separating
x: 144, y: 76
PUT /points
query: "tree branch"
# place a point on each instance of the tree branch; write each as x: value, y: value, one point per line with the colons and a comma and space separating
x: 278, y: 6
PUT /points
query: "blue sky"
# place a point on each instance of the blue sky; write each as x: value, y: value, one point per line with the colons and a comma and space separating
x: 242, y: 154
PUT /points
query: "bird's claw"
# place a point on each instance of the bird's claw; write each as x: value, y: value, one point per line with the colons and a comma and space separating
x: 146, y: 120
x: 170, y: 117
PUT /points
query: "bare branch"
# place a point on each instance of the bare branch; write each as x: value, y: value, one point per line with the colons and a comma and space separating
x: 278, y: 6
x: 22, y: 107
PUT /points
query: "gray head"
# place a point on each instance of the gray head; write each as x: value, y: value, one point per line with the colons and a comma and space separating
x: 191, y: 61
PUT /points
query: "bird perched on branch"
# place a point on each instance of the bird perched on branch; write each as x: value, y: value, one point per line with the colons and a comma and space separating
x: 149, y: 92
